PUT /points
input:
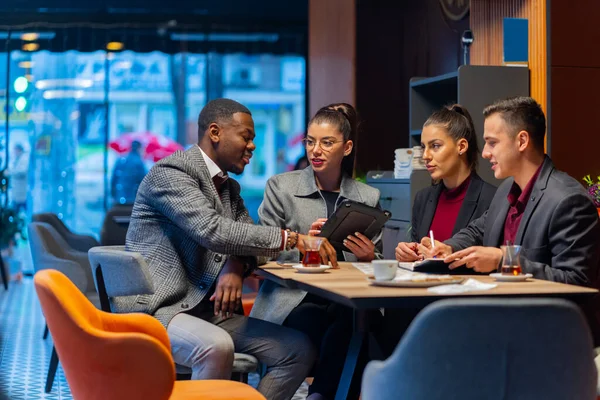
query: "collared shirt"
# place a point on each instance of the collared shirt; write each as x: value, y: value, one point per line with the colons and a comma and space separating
x: 518, y: 201
x: 447, y: 210
x: 212, y: 166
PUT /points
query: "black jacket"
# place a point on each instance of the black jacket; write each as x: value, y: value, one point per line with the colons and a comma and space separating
x: 477, y: 200
x: 559, y: 231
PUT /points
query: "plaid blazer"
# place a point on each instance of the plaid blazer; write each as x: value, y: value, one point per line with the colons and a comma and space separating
x: 186, y: 233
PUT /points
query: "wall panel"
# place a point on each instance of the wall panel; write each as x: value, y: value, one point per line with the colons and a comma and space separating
x: 331, y: 52
x: 486, y: 24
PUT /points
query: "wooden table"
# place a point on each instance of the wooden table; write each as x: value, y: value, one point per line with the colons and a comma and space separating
x: 350, y: 287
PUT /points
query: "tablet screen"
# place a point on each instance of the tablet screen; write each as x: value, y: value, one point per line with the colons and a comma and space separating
x: 351, y: 223
x: 351, y: 217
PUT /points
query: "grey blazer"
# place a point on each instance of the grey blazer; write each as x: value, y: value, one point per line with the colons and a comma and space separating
x: 186, y: 233
x: 293, y: 201
x: 559, y: 230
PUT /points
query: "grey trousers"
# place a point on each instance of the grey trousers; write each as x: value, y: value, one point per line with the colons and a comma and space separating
x: 206, y: 343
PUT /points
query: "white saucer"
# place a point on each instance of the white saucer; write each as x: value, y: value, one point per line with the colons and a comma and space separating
x: 310, y: 270
x: 510, y: 278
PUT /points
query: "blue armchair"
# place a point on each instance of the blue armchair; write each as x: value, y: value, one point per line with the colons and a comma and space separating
x: 489, y: 349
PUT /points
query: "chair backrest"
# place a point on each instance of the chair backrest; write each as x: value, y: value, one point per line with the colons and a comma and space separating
x: 119, y: 273
x: 113, y: 231
x: 50, y: 250
x: 47, y: 238
x: 52, y: 219
x: 105, y: 356
x: 489, y: 349
x: 76, y: 241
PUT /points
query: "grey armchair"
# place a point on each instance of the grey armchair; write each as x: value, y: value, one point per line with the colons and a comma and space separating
x: 118, y: 272
x: 115, y: 225
x: 489, y: 349
x: 75, y: 241
x: 50, y: 250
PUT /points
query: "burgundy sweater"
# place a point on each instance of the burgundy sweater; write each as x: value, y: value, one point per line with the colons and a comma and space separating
x: 447, y: 210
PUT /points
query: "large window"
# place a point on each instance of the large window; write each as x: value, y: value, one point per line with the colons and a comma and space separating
x: 76, y: 116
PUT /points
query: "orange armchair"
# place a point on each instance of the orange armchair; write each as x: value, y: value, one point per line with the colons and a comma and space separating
x: 117, y: 356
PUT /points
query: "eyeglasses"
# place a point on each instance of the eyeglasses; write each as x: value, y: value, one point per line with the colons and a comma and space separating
x: 326, y: 145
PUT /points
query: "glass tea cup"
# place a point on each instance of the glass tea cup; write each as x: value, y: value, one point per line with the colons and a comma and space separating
x: 511, y: 263
x: 312, y: 257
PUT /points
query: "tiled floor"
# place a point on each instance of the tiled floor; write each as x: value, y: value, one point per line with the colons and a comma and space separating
x: 24, y: 356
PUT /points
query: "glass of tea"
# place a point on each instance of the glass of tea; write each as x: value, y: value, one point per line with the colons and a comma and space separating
x: 511, y: 264
x: 312, y: 257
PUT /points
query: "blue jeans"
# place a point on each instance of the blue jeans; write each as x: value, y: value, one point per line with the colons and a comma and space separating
x: 206, y: 343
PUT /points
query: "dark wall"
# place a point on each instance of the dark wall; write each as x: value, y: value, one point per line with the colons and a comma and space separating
x: 394, y: 42
x: 250, y: 14
x: 574, y: 86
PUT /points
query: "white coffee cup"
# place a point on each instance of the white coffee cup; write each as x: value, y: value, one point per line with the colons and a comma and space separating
x: 384, y: 270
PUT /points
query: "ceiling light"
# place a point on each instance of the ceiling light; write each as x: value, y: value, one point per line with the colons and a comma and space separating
x: 30, y: 36
x: 114, y: 46
x: 32, y: 46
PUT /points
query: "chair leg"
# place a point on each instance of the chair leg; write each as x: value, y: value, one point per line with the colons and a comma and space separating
x: 51, y: 370
x: 240, y: 377
x: 3, y: 274
x: 45, y: 332
x: 183, y: 377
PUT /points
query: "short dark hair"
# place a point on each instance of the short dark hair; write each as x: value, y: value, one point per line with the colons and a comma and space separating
x: 345, y: 118
x: 218, y: 110
x: 521, y: 114
x: 136, y: 145
x: 458, y: 122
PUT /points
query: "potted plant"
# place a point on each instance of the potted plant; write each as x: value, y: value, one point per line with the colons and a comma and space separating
x: 593, y: 190
x: 12, y: 228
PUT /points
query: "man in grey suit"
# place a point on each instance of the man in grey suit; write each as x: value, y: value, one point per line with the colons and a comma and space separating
x: 191, y: 225
x: 542, y: 209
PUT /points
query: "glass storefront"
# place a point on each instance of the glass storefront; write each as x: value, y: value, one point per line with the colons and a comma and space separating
x: 76, y: 116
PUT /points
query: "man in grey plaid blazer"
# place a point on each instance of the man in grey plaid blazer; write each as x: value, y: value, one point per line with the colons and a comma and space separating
x: 191, y: 225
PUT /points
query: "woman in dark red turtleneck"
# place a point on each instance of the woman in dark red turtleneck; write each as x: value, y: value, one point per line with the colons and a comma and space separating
x: 450, y: 153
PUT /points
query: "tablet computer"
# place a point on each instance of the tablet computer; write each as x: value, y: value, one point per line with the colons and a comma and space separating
x: 351, y: 217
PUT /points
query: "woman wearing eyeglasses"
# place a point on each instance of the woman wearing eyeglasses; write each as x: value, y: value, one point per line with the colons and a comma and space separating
x: 302, y: 201
x: 450, y: 152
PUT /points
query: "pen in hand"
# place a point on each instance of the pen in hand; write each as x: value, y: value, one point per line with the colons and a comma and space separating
x: 432, y: 241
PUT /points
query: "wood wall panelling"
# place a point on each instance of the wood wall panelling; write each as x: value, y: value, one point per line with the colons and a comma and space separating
x: 486, y: 23
x: 575, y: 83
x: 331, y: 52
